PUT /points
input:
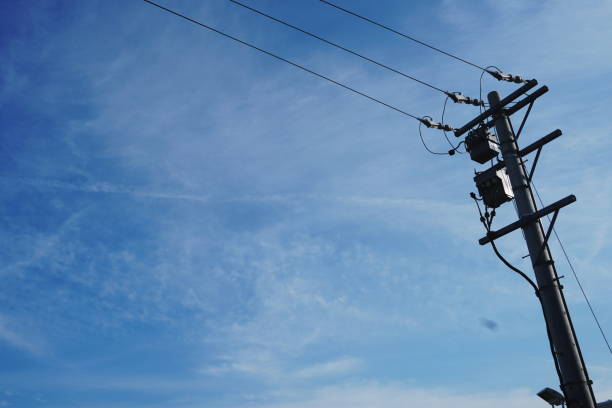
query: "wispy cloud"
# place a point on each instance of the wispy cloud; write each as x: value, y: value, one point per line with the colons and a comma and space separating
x: 372, y: 394
x: 19, y: 340
x: 332, y: 368
x: 270, y: 229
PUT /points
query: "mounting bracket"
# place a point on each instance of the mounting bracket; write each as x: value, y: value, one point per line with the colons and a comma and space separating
x: 494, y: 109
x: 537, y: 145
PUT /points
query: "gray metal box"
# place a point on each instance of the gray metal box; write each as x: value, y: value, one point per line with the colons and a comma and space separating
x: 481, y: 146
x: 494, y: 187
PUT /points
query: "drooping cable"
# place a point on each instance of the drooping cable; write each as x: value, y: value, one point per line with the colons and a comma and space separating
x: 425, y: 144
x: 487, y: 220
x: 554, y: 269
x: 515, y: 269
x: 571, y: 266
x: 454, y: 148
x: 333, y: 44
x: 401, y: 34
x: 481, y: 78
x: 281, y: 59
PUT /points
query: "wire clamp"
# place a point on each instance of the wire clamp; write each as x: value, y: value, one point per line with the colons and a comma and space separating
x: 500, y: 76
x: 458, y: 97
x: 436, y: 125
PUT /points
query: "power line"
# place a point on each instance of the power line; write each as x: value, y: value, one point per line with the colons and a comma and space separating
x: 281, y: 59
x: 425, y: 144
x: 480, y: 88
x: 380, y: 64
x: 575, y: 275
x: 487, y: 220
x: 401, y: 34
x: 454, y: 148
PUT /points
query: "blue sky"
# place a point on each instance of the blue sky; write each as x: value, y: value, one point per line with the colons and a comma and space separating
x: 189, y: 223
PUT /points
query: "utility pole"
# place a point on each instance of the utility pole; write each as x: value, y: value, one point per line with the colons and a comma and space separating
x: 574, y: 378
x: 508, y: 180
x: 504, y: 181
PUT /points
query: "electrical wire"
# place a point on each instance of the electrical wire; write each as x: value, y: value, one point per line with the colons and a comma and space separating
x: 455, y: 148
x: 487, y: 221
x: 281, y: 59
x: 515, y: 269
x: 481, y: 76
x: 603, y: 335
x: 556, y: 278
x: 333, y: 44
x: 401, y: 34
x: 425, y: 144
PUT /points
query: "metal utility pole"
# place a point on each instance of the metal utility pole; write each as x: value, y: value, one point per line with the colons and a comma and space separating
x: 504, y: 181
x: 508, y: 180
x: 575, y: 382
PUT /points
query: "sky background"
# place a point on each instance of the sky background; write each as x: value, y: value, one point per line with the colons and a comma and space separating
x: 186, y: 222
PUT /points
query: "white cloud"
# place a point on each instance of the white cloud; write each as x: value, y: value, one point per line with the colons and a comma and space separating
x: 531, y: 38
x: 15, y: 338
x: 372, y: 394
x: 266, y: 365
x: 343, y: 170
x: 331, y: 368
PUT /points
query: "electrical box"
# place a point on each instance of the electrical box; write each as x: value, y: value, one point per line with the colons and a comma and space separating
x: 481, y: 145
x: 494, y: 187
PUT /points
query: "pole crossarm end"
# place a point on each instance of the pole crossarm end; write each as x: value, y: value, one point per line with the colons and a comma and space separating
x: 532, y: 147
x: 497, y: 108
x: 527, y: 219
x: 526, y: 101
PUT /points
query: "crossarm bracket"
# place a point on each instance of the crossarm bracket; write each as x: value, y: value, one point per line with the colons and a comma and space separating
x: 527, y: 219
x: 550, y: 229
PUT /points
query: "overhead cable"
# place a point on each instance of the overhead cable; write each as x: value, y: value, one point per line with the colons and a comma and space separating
x: 401, y: 34
x: 497, y: 75
x: 455, y: 149
x: 427, y: 147
x: 487, y: 221
x: 567, y: 259
x: 339, y: 46
x: 422, y: 120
